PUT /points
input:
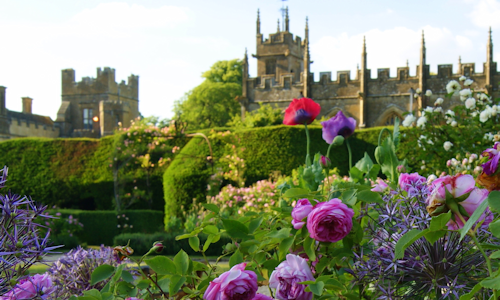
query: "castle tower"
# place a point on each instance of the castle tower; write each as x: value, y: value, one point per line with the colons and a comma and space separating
x: 280, y: 54
x: 422, y: 68
x: 490, y: 66
x: 244, y: 90
x: 27, y: 105
x: 459, y: 71
x: 362, y: 85
x: 307, y: 63
x: 287, y: 21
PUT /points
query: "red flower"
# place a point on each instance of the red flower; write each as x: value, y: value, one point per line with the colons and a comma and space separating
x: 301, y: 111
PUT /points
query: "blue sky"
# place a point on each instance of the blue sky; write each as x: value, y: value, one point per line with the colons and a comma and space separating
x: 170, y: 43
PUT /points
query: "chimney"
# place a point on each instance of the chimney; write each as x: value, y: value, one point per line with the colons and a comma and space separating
x: 27, y: 103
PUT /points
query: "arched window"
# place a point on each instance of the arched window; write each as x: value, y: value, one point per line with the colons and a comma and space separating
x: 391, y: 119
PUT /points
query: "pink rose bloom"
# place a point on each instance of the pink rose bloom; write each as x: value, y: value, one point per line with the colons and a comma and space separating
x: 261, y: 297
x: 233, y: 284
x: 38, y: 285
x: 458, y: 186
x: 330, y: 221
x: 286, y: 277
x: 300, y: 212
x: 380, y: 187
x: 408, y: 181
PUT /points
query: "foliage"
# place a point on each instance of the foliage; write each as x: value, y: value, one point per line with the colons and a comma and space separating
x: 213, y: 102
x: 265, y: 115
x: 63, y: 230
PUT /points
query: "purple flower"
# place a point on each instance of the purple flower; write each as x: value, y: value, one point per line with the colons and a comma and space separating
x: 380, y: 187
x: 338, y: 125
x: 235, y: 284
x: 330, y: 221
x: 491, y: 166
x: 300, y: 212
x: 261, y: 297
x: 286, y: 277
x: 411, y: 183
x: 39, y: 285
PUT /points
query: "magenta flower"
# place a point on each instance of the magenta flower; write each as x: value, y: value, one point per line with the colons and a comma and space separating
x: 491, y: 166
x: 235, y: 284
x: 325, y: 162
x: 38, y: 286
x: 301, y: 111
x: 407, y: 182
x: 380, y: 187
x: 286, y: 277
x: 338, y: 125
x: 300, y: 212
x: 261, y: 297
x: 330, y: 221
x: 458, y: 186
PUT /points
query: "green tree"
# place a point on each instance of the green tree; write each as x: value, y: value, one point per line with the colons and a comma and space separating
x: 213, y: 102
x: 265, y: 115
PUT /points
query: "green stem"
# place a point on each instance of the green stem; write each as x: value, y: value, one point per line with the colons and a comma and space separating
x: 350, y: 153
x: 488, y: 262
x: 308, y: 157
x: 328, y: 152
x: 380, y: 135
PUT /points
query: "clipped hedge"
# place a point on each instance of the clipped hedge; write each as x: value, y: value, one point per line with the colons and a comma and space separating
x: 268, y: 149
x: 69, y: 173
x: 100, y: 227
x: 141, y: 243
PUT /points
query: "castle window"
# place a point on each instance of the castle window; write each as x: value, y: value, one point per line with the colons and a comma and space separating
x: 391, y: 119
x: 271, y: 66
x: 87, y: 118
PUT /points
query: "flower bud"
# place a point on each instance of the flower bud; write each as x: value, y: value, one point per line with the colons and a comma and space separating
x: 338, y: 140
x: 325, y: 162
x: 157, y: 247
x: 401, y: 169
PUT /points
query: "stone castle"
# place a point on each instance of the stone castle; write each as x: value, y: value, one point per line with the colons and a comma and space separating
x: 283, y: 73
x: 93, y: 107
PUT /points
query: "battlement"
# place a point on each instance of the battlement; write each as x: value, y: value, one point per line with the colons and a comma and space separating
x: 104, y: 83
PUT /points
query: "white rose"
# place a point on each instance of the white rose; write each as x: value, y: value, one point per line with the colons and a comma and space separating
x: 428, y: 109
x: 454, y: 123
x: 428, y: 93
x: 421, y: 121
x: 470, y: 103
x: 453, y: 86
x: 447, y: 146
x: 468, y: 82
x: 409, y: 120
x: 464, y: 94
x: 439, y: 101
x: 450, y: 112
x: 484, y: 116
x: 438, y: 109
x: 418, y: 91
x: 462, y: 78
x: 431, y: 178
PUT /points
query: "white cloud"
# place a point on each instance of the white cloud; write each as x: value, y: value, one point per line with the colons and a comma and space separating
x: 485, y: 13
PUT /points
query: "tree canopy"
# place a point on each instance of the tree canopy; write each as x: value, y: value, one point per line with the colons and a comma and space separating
x: 213, y: 102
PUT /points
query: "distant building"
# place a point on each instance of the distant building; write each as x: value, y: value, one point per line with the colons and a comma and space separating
x: 283, y: 73
x: 15, y: 124
x: 94, y: 107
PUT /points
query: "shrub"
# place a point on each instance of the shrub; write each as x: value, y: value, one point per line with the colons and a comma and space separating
x: 141, y: 243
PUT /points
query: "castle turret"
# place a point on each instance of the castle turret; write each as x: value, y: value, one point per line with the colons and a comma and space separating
x: 307, y: 62
x: 422, y: 74
x: 459, y: 68
x: 27, y: 105
x: 3, y: 110
x: 489, y: 66
x: 362, y: 85
x: 287, y: 21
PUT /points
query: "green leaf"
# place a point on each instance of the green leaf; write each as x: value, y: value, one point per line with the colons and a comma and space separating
x: 494, y: 200
x: 235, y: 259
x: 495, y: 228
x: 235, y: 229
x: 310, y: 248
x: 143, y: 284
x: 209, y: 240
x: 488, y: 246
x: 495, y: 254
x: 162, y: 265
x: 164, y: 283
x: 254, y: 224
x: 296, y: 193
x: 406, y: 240
x: 280, y: 234
x: 211, y: 207
x: 364, y: 164
x: 93, y: 293
x: 470, y: 294
x: 433, y: 236
x: 176, y: 282
x: 284, y: 247
x: 373, y: 173
x: 211, y: 229
x: 118, y: 273
x: 194, y: 242
x: 491, y: 283
x: 368, y: 196
x: 473, y: 219
x: 181, y: 261
x: 270, y: 265
x: 317, y: 288
x: 356, y: 174
x: 127, y: 277
x: 101, y: 273
x: 439, y: 222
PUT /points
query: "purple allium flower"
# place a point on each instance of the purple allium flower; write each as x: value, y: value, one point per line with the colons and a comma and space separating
x: 72, y: 272
x: 21, y: 241
x: 338, y: 125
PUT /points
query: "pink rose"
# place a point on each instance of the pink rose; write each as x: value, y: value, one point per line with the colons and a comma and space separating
x: 31, y: 287
x: 261, y: 297
x: 300, y: 212
x: 457, y: 186
x: 286, y: 277
x: 330, y: 221
x: 233, y: 284
x: 380, y: 187
x: 408, y: 181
